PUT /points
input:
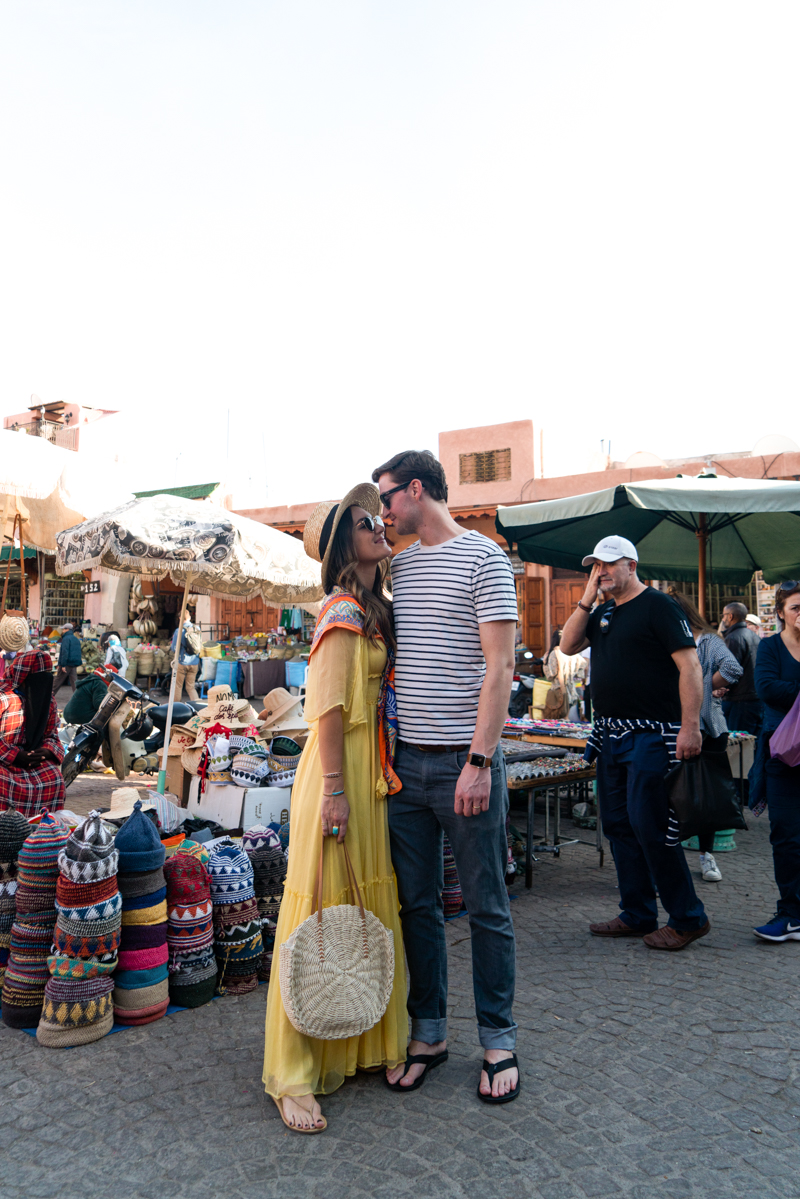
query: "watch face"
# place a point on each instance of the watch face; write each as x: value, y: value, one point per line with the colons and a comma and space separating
x: 477, y: 760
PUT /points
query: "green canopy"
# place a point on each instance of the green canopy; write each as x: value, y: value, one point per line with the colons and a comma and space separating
x: 747, y: 525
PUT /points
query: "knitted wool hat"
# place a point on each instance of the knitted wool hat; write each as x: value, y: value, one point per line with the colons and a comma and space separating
x: 37, y: 860
x: 231, y: 874
x: 138, y: 843
x: 76, y: 1013
x: 187, y: 879
x: 156, y: 914
x: 14, y: 830
x: 142, y: 882
x: 143, y: 936
x: 26, y: 974
x: 90, y: 854
x: 195, y: 849
x: 141, y: 997
x: 259, y: 837
x: 102, y: 909
x: 81, y: 895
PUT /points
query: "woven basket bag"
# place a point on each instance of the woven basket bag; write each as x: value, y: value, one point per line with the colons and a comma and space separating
x: 337, y: 968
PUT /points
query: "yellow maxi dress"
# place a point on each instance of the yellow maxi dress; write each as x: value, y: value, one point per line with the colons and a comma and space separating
x: 345, y: 672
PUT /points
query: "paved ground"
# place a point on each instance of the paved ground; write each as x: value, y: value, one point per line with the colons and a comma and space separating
x: 645, y: 1075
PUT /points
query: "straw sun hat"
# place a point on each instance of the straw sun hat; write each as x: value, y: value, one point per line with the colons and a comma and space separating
x: 14, y: 633
x: 323, y: 522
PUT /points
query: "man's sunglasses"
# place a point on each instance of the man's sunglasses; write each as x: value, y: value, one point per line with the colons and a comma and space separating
x: 371, y: 523
x: 385, y: 496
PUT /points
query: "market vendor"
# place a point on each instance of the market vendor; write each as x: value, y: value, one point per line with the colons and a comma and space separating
x: 89, y: 694
x: 30, y: 751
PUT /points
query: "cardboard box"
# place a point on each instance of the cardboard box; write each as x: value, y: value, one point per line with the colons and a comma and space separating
x: 220, y: 802
x: 265, y: 805
x: 178, y: 779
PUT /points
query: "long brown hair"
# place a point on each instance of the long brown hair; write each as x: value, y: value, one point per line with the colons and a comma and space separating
x: 697, y: 623
x: 375, y: 601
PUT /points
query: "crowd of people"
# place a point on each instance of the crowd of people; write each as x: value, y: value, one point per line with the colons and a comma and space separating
x: 407, y: 696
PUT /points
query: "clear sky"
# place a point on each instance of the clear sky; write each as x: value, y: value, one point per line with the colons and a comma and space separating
x: 352, y: 224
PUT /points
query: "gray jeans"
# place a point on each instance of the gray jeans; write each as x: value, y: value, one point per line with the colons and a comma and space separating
x: 417, y: 816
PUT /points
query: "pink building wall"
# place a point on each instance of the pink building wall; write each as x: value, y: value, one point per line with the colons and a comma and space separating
x: 515, y: 435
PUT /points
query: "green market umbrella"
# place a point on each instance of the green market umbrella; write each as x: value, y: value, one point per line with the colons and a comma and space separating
x: 683, y: 528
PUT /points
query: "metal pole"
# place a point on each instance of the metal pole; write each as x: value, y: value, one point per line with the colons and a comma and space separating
x: 702, y: 538
x: 162, y: 774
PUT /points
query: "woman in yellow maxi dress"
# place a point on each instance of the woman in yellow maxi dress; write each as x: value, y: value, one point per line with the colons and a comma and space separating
x: 345, y: 672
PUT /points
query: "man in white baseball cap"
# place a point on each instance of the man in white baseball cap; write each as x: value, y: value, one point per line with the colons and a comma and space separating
x: 647, y: 687
x: 611, y: 549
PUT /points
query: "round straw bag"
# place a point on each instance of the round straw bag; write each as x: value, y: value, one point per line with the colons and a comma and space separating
x: 337, y: 968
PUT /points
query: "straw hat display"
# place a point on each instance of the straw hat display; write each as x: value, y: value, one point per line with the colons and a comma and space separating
x: 323, y: 522
x: 222, y: 709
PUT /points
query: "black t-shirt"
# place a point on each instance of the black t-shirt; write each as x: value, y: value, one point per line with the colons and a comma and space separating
x: 633, y: 674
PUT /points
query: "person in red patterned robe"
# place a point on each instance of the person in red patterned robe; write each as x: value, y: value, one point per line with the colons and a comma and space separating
x: 30, y: 751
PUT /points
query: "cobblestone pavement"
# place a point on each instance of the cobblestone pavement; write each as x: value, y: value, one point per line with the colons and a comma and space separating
x: 645, y: 1075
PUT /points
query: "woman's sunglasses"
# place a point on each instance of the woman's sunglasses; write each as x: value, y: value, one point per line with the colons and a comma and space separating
x: 788, y: 585
x: 371, y: 523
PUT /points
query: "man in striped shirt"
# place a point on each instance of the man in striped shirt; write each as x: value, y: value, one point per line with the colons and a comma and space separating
x: 455, y: 613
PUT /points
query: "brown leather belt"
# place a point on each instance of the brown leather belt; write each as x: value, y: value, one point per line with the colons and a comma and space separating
x: 437, y: 749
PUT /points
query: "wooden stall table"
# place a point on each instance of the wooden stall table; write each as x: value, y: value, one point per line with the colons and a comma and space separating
x: 549, y: 783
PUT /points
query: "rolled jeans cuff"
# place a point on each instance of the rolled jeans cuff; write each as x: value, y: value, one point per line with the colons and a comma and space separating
x: 430, y: 1032
x: 498, y: 1038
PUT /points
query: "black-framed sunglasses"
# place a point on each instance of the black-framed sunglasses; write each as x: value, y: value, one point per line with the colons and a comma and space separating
x: 371, y: 523
x: 385, y: 496
x: 605, y: 619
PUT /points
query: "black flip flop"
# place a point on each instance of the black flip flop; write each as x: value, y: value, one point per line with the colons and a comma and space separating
x: 492, y: 1068
x: 415, y: 1059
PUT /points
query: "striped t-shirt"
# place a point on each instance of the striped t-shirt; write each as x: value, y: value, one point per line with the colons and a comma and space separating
x: 442, y: 593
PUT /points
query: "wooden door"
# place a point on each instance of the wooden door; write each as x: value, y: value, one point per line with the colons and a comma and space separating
x: 530, y: 602
x: 564, y: 596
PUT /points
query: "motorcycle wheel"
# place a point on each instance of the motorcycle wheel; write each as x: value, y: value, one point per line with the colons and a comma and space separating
x: 74, y: 764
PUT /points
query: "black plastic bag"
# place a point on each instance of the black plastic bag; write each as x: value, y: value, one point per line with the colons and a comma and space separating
x: 704, y: 795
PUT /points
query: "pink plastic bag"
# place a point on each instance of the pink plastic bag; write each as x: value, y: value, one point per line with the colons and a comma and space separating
x: 784, y: 743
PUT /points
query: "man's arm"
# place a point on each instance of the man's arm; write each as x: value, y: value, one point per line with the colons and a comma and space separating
x: 690, y: 739
x: 497, y: 643
x: 573, y: 635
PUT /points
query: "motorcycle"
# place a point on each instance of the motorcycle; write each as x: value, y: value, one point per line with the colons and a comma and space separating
x: 130, y: 742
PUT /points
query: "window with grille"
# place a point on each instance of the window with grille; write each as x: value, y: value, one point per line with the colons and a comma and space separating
x: 485, y: 466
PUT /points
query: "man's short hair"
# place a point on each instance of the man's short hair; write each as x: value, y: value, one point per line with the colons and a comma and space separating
x: 416, y: 464
x: 738, y: 611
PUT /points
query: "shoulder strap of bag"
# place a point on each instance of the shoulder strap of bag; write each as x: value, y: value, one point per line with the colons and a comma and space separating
x: 354, y: 884
x: 17, y: 524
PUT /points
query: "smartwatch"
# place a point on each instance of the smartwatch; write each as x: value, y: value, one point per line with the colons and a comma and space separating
x: 479, y: 760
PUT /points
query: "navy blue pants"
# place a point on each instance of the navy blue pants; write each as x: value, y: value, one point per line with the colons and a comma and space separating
x: 783, y: 803
x: 634, y: 809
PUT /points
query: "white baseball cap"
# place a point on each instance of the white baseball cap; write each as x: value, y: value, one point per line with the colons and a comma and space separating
x: 753, y: 619
x: 611, y: 549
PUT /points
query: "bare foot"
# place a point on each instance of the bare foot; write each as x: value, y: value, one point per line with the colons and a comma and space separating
x: 505, y: 1080
x: 414, y: 1071
x: 302, y: 1112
